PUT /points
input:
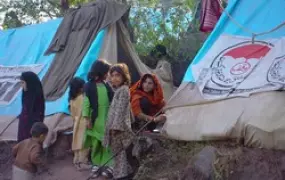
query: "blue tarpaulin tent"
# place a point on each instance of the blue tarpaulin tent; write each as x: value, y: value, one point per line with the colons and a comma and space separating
x: 25, y: 46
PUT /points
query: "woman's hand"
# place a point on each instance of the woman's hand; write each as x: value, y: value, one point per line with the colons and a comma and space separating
x: 160, y: 118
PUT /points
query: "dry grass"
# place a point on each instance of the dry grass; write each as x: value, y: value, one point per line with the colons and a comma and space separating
x: 222, y: 167
x: 171, y: 157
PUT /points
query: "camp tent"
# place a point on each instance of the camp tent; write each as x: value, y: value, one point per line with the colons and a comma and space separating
x: 229, y: 90
x: 27, y: 48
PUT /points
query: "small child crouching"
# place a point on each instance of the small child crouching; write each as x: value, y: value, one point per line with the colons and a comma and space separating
x: 29, y: 153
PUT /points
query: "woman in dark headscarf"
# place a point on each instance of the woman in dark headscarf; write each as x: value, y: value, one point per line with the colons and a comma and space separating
x: 33, y: 104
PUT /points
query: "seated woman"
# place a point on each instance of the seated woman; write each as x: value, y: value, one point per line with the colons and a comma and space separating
x: 147, y: 102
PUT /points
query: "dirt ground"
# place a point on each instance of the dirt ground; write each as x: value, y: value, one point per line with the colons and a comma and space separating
x: 233, y: 162
x: 255, y: 164
x: 58, y: 169
x: 5, y: 161
x: 168, y: 158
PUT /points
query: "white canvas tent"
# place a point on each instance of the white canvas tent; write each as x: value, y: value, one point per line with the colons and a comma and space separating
x: 229, y: 90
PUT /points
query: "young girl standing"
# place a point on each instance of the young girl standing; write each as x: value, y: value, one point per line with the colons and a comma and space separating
x: 75, y: 99
x: 98, y: 96
x: 118, y: 133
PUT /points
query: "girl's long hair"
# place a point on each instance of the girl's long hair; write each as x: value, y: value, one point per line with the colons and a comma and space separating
x: 98, y: 71
x: 34, y: 95
x: 97, y: 74
x: 75, y: 88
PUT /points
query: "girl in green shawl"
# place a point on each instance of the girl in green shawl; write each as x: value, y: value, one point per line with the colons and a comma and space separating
x: 98, y: 95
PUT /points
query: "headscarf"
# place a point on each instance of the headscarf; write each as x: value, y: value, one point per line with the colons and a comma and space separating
x: 33, y: 97
x: 155, y: 97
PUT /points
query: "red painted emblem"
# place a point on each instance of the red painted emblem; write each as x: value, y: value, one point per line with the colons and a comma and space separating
x: 240, y: 68
x: 233, y: 64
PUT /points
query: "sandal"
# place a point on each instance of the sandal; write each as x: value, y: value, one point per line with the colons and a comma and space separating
x: 95, y: 168
x: 108, y: 173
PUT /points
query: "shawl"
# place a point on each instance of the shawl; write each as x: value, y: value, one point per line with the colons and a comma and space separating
x: 155, y: 98
x: 210, y: 14
x: 119, y: 116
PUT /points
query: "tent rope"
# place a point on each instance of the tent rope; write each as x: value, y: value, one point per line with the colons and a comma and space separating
x: 245, y: 29
x: 2, y: 132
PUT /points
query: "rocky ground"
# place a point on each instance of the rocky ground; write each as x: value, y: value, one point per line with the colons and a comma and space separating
x: 218, y: 160
x: 174, y: 160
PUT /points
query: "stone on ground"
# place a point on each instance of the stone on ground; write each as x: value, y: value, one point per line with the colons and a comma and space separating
x: 200, y: 166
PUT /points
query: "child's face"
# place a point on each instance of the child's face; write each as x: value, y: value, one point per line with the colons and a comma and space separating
x: 116, y: 79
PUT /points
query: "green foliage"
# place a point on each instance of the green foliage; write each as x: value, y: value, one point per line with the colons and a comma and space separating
x: 11, y: 20
x: 167, y: 24
x: 23, y: 12
x: 77, y: 2
x: 153, y: 22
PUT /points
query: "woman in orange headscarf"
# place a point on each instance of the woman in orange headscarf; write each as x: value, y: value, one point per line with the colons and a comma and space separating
x: 147, y: 102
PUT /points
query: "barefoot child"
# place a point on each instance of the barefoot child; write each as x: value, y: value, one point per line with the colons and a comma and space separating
x: 29, y: 153
x: 98, y: 95
x: 118, y: 130
x: 75, y: 98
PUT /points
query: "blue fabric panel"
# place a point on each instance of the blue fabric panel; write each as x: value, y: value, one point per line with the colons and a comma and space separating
x: 26, y: 45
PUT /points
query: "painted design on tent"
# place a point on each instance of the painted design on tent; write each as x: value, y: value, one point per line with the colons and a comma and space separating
x: 276, y: 73
x: 232, y: 65
x: 10, y: 83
